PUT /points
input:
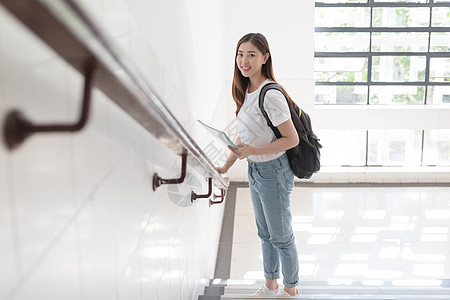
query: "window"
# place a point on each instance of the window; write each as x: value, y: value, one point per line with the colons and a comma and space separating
x: 382, y: 52
x: 437, y: 147
x: 386, y: 148
x: 342, y: 147
x: 394, y: 147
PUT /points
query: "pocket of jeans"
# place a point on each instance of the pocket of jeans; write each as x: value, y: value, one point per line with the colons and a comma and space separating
x: 289, y: 175
x: 267, y: 173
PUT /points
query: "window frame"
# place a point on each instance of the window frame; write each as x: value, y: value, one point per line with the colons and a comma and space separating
x: 369, y: 54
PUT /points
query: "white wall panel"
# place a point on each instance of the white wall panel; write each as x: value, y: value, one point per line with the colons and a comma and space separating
x: 8, y: 272
x: 288, y: 26
x: 188, y: 37
x: 78, y: 212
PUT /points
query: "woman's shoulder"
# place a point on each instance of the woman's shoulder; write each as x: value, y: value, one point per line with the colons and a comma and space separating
x: 274, y: 94
x: 274, y: 98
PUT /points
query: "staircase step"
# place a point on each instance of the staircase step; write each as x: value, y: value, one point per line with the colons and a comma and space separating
x: 349, y: 290
x: 329, y: 297
x: 214, y: 290
x: 330, y: 290
x: 341, y: 297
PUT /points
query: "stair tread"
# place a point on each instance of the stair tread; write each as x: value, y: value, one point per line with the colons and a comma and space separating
x: 306, y: 297
x: 409, y: 288
x: 407, y: 297
x: 342, y: 290
x: 442, y: 283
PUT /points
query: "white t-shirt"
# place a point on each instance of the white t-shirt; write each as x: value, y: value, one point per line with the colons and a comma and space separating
x: 252, y: 126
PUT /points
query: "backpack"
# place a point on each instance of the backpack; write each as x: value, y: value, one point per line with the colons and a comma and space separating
x: 304, y: 158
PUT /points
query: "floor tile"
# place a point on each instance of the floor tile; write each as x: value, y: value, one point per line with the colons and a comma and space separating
x: 353, y: 233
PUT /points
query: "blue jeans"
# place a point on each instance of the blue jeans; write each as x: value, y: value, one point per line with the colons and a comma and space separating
x: 271, y: 184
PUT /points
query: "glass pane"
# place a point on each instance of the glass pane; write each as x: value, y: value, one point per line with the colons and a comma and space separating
x: 394, y: 147
x: 340, y: 69
x: 440, y: 69
x: 342, y: 41
x: 400, y: 16
x: 399, y: 41
x: 440, y: 41
x: 342, y: 147
x: 436, y: 148
x: 342, y: 17
x: 398, y: 68
x: 438, y: 94
x: 393, y: 94
x: 440, y: 17
x: 341, y: 94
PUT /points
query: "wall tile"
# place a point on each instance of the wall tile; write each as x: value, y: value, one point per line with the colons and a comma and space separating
x: 129, y: 287
x: 98, y: 252
x: 41, y: 167
x: 44, y: 101
x: 164, y: 291
x: 115, y: 17
x: 91, y: 150
x: 184, y: 290
x: 144, y: 177
x: 57, y: 275
x: 154, y: 247
x: 41, y: 179
x: 8, y: 271
x: 146, y: 62
x: 86, y: 212
x: 121, y: 132
x: 123, y: 207
x: 175, y: 272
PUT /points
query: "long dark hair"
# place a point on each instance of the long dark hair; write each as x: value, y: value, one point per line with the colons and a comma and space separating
x: 240, y: 83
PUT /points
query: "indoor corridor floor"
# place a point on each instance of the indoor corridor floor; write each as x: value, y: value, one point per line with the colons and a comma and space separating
x: 368, y: 234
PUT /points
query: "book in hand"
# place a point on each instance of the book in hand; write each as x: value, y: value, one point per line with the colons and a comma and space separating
x: 219, y: 135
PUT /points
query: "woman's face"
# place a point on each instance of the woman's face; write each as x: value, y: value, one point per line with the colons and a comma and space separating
x: 249, y: 60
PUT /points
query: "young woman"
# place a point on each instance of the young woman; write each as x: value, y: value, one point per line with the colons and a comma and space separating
x: 270, y: 177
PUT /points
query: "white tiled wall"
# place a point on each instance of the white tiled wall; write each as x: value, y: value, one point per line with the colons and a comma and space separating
x: 78, y: 216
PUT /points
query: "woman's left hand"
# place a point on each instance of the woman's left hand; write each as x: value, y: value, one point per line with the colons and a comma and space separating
x: 243, y: 150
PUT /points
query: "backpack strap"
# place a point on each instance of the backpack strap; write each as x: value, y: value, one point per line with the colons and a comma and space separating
x: 262, y: 94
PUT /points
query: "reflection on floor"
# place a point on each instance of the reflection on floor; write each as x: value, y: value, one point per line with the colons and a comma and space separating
x: 372, y: 235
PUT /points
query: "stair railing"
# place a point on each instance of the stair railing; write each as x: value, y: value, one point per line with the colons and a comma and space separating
x: 66, y: 28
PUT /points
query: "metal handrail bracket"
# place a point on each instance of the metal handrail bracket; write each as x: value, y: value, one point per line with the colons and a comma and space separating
x: 18, y: 128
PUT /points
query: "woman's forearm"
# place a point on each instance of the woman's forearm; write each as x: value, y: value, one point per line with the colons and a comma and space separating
x: 279, y: 145
x: 230, y: 161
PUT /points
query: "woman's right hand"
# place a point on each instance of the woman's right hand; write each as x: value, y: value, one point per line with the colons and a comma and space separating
x: 221, y: 170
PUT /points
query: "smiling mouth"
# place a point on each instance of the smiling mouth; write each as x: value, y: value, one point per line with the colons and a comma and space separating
x: 245, y: 69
